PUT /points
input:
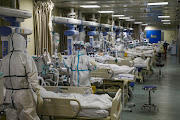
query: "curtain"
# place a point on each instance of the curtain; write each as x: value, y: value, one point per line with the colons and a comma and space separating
x: 43, y: 26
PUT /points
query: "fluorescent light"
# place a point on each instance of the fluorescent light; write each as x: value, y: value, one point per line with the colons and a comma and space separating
x: 130, y: 28
x: 137, y: 22
x: 163, y: 16
x: 105, y: 11
x: 130, y: 20
x: 124, y: 18
x: 144, y: 24
x: 89, y: 6
x: 158, y: 3
x: 167, y: 23
x: 117, y: 15
x: 165, y: 20
x: 91, y: 2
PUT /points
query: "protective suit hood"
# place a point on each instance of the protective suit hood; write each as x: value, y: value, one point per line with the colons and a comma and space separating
x: 20, y: 81
x: 17, y: 42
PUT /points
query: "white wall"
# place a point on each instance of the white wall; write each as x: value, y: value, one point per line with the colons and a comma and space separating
x: 28, y: 23
x: 169, y: 35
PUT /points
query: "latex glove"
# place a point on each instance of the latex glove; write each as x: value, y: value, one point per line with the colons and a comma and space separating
x: 39, y: 98
x: 93, y: 63
x: 60, y: 57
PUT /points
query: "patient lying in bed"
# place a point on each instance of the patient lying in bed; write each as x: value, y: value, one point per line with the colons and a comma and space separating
x: 92, y: 106
x: 136, y: 53
x: 139, y: 62
x: 117, y: 69
x: 120, y: 72
x: 102, y: 59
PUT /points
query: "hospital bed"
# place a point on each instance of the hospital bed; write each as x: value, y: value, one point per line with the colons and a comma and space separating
x: 124, y: 69
x: 62, y: 109
x: 143, y: 70
x: 112, y: 85
x: 140, y: 52
x: 127, y: 62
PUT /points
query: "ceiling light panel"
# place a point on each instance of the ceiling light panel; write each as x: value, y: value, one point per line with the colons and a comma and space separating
x: 158, y: 3
x: 124, y: 18
x: 130, y: 20
x: 137, y: 22
x: 89, y: 6
x: 144, y: 24
x: 105, y: 11
x: 167, y: 23
x: 163, y: 16
x: 117, y: 15
x: 165, y: 20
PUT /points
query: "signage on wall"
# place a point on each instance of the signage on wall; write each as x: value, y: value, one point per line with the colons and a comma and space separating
x: 153, y: 36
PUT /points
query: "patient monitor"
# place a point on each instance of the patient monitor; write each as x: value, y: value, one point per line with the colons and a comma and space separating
x: 146, y: 41
x: 131, y: 44
x: 136, y: 42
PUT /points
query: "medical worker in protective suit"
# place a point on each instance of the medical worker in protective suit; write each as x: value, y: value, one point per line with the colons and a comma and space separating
x: 80, y: 65
x: 119, y: 46
x: 20, y: 81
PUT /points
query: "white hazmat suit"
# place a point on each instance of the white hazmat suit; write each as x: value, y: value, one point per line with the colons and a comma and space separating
x: 81, y: 66
x: 20, y: 81
x: 119, y: 47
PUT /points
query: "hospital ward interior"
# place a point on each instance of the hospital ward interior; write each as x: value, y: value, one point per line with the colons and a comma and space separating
x: 89, y: 59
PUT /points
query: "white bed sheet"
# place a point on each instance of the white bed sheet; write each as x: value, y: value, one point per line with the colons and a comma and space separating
x: 125, y: 77
x: 93, y: 113
x: 102, y: 59
x: 87, y: 101
x: 96, y: 79
x: 93, y: 106
x: 133, y: 52
x: 117, y: 69
x: 139, y: 62
x: 144, y: 47
x: 120, y: 77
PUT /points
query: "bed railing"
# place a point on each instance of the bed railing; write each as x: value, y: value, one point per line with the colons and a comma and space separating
x: 102, y: 73
x: 125, y: 62
x: 62, y: 108
x: 116, y: 106
x: 58, y: 107
x: 69, y: 89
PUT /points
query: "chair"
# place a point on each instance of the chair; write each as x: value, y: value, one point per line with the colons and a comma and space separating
x: 149, y: 105
x: 158, y: 58
x: 160, y: 75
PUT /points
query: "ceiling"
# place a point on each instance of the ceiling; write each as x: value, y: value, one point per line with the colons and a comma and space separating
x: 136, y: 9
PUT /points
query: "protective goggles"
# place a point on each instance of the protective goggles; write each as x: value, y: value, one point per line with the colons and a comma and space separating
x: 78, y: 47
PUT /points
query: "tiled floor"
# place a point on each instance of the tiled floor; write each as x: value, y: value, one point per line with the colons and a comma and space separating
x: 166, y: 97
